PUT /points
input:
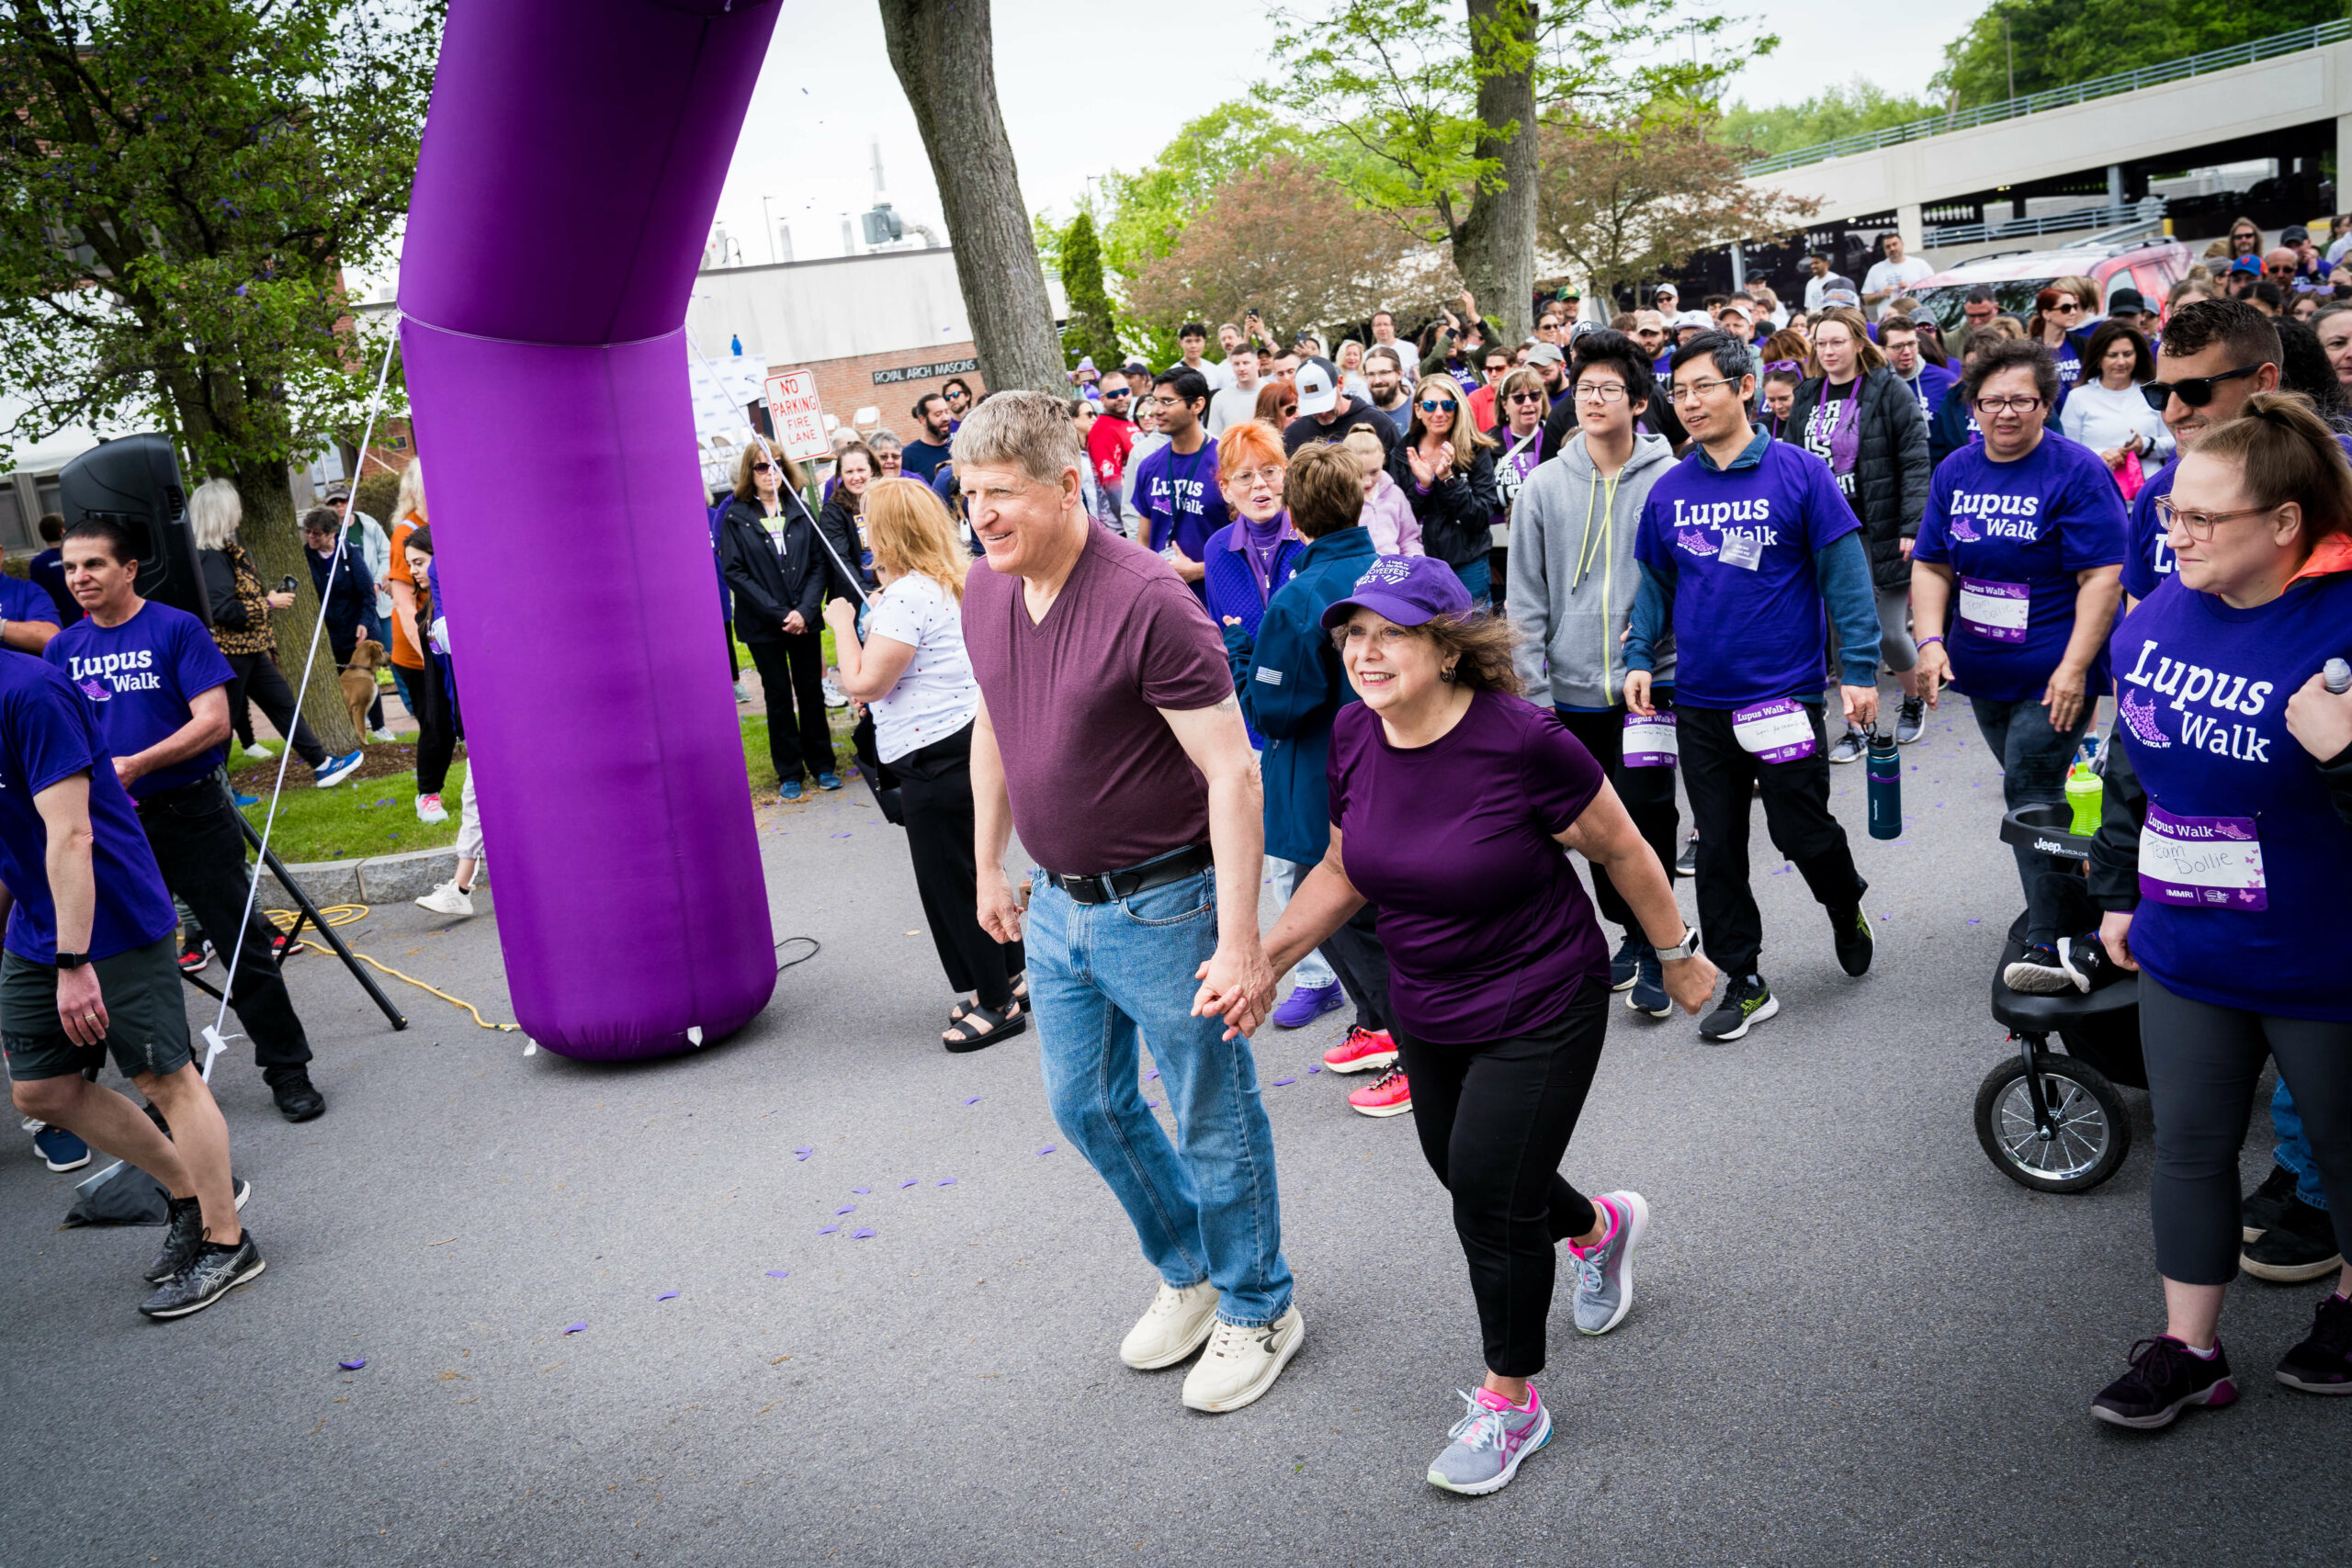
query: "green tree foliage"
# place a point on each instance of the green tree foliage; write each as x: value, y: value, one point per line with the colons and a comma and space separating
x: 1847, y: 111
x: 2055, y: 43
x: 1149, y: 209
x: 1093, y: 325
x: 182, y: 184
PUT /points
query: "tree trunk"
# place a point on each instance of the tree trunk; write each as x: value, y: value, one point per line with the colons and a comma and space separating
x: 1495, y: 248
x: 271, y: 537
x: 944, y: 54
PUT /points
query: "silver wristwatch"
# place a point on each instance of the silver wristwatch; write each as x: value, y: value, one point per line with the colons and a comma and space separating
x: 1687, y: 948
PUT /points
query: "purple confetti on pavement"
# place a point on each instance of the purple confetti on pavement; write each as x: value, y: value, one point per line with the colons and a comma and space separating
x: 1153, y: 1072
x: 846, y: 1209
x: 577, y: 1328
x: 778, y: 1274
x: 840, y: 835
x: 863, y: 1191
x: 354, y: 1364
x: 1315, y: 1069
x: 802, y: 1153
x: 1284, y: 1083
x: 974, y: 1100
x: 1151, y: 1105
x: 909, y: 1181
x: 864, y: 1233
x: 947, y: 1181
x: 829, y: 1230
x: 1047, y: 1150
x: 667, y: 1296
x: 1976, y: 922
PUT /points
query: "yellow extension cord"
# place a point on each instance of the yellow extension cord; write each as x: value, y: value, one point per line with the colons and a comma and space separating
x: 350, y: 914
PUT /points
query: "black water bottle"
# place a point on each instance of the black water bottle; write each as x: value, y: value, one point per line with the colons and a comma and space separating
x: 1885, y: 786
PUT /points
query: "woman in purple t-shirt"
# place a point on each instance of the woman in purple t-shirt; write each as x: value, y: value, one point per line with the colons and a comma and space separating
x: 1452, y: 795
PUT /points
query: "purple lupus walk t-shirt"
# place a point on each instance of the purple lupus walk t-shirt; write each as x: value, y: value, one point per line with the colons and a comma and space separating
x: 139, y: 678
x: 2013, y: 534
x: 1097, y: 779
x: 1488, y: 933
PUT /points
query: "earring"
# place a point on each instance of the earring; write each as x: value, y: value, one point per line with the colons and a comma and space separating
x: 1446, y: 674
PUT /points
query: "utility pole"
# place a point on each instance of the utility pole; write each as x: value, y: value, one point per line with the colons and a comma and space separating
x: 2009, y: 46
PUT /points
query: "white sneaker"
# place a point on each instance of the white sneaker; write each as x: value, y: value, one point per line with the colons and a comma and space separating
x: 384, y: 734
x: 430, y: 810
x: 834, y: 697
x: 1242, y: 1363
x: 743, y: 692
x: 260, y: 751
x: 1174, y: 1327
x: 448, y: 899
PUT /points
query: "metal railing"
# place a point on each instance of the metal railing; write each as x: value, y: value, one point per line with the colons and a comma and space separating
x: 2203, y: 65
x: 2144, y: 216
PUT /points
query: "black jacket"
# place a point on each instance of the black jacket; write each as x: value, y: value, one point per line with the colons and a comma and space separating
x: 1457, y: 515
x: 1891, y: 471
x: 839, y: 520
x: 351, y: 604
x: 771, y: 583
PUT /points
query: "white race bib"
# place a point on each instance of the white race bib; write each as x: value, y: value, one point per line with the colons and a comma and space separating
x: 1778, y: 731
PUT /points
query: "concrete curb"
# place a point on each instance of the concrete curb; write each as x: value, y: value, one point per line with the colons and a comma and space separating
x: 379, y: 879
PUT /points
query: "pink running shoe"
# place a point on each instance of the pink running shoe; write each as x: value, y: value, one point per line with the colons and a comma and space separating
x: 1360, y: 1052
x: 1387, y: 1094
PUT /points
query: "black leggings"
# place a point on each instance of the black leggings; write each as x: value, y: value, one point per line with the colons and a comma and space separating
x: 256, y: 676
x: 1648, y: 794
x: 936, y: 794
x: 2203, y: 1064
x: 1355, y: 955
x: 437, y: 726
x: 1494, y: 1119
x: 792, y: 676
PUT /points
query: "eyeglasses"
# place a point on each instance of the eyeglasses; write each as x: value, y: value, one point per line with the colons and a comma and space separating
x: 1438, y: 405
x: 1601, y: 392
x: 1244, y: 478
x: 1691, y: 391
x: 2200, y: 525
x: 2194, y: 392
x: 1527, y: 397
x: 1987, y: 407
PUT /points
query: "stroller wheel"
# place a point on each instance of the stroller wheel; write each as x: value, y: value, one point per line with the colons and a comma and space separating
x: 2090, y: 1128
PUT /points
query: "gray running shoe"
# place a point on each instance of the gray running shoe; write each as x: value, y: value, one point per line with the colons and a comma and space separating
x: 1488, y: 1444
x: 1605, y: 1275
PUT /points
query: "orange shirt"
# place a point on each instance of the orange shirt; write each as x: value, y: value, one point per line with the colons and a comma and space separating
x: 405, y: 650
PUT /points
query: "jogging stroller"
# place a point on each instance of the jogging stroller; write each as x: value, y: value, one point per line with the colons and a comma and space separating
x: 2050, y: 1120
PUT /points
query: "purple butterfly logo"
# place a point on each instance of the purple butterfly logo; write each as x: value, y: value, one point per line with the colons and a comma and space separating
x: 96, y: 690
x: 1961, y: 531
x: 1697, y: 544
x: 2142, y: 721
x: 2245, y: 895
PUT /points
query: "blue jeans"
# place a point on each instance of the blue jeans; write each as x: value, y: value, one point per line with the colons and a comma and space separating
x: 1312, y: 973
x: 2294, y: 1150
x: 2034, y: 758
x: 1479, y: 577
x: 1205, y: 1208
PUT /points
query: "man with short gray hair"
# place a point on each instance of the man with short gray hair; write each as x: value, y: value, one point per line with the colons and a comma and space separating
x: 1109, y: 733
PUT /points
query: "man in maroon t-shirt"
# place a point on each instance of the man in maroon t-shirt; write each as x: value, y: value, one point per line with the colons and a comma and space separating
x: 1109, y: 734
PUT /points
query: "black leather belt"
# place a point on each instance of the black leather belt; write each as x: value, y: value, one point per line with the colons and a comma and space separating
x: 1109, y: 886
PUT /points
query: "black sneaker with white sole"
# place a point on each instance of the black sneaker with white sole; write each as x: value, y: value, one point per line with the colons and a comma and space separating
x: 1910, y: 720
x: 2323, y: 1362
x: 215, y: 1270
x: 1687, y: 862
x: 1851, y: 929
x: 1747, y: 1001
x: 1852, y: 747
x: 2300, y: 1246
x: 2038, y: 972
x: 2265, y: 1203
x: 184, y: 1232
x: 2166, y: 1377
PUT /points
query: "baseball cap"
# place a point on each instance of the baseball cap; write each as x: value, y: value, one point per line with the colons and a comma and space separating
x: 1411, y: 591
x: 1546, y: 353
x: 1318, y: 387
x: 338, y: 492
x: 1693, y: 318
x: 1848, y: 297
x: 1668, y: 288
x: 2246, y: 264
x: 2126, y: 302
x: 2293, y: 234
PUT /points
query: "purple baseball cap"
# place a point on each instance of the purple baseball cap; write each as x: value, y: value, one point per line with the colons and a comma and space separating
x: 1409, y: 590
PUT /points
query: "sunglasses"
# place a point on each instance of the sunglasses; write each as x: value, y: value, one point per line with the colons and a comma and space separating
x: 1527, y: 397
x: 764, y: 468
x: 2194, y: 392
x: 1438, y: 405
x: 2066, y: 307
x: 1116, y: 392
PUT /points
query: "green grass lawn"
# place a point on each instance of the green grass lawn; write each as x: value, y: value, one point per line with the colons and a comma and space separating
x: 377, y: 816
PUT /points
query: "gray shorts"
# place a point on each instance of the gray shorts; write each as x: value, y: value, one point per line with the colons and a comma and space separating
x: 146, y: 1019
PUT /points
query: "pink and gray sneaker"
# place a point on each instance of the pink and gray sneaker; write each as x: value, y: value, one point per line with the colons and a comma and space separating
x: 1390, y: 1094
x: 1489, y: 1442
x: 1364, y: 1051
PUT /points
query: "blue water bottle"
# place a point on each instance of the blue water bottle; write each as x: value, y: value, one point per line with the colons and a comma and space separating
x: 1885, y: 786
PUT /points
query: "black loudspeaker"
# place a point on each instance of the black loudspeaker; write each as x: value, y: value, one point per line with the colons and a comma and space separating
x: 135, y: 481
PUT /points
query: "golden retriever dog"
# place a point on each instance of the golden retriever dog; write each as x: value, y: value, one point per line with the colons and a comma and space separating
x: 367, y: 656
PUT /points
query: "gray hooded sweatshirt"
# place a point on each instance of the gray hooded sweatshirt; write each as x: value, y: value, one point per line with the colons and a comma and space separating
x: 1573, y: 576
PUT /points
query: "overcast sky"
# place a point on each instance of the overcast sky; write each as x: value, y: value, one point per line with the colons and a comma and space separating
x: 1089, y: 88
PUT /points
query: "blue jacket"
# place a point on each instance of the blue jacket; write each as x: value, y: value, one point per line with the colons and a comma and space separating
x: 351, y: 606
x: 1295, y: 687
x: 1232, y: 591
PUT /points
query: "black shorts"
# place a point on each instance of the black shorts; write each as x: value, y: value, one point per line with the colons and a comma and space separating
x: 146, y: 1019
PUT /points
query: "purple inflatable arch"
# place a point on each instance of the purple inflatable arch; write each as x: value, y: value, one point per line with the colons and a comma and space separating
x: 571, y: 165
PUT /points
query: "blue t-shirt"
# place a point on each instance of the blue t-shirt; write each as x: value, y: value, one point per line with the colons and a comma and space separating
x: 920, y: 460
x: 47, y: 735
x: 2149, y: 560
x: 139, y: 679
x: 2202, y: 693
x: 1744, y: 634
x: 1181, y: 497
x: 2014, y: 536
x: 22, y: 601
x: 47, y: 571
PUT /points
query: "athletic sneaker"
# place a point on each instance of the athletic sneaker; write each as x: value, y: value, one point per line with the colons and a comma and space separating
x: 2085, y: 958
x: 2165, y: 1378
x: 1850, y: 930
x: 2323, y: 1362
x: 259, y: 751
x: 382, y: 736
x: 1240, y: 1364
x: 2299, y: 1246
x: 790, y: 790
x: 1626, y: 962
x: 829, y: 781
x: 2262, y: 1206
x: 1687, y: 862
x: 1605, y: 1274
x: 834, y: 697
x: 430, y: 810
x: 1910, y: 720
x: 1489, y: 1442
x: 245, y: 800
x: 1362, y: 1051
x: 1746, y: 1003
x: 743, y: 692
x: 1305, y: 1004
x: 1387, y: 1094
x: 213, y: 1272
x: 448, y: 899
x: 1648, y: 993
x: 183, y: 1230
x: 1175, y: 1325
x: 195, y: 956
x: 1852, y: 747
x: 2037, y: 973
x: 334, y: 770
x: 60, y: 1149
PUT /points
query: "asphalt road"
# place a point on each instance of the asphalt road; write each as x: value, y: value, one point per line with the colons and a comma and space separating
x: 1853, y: 1340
